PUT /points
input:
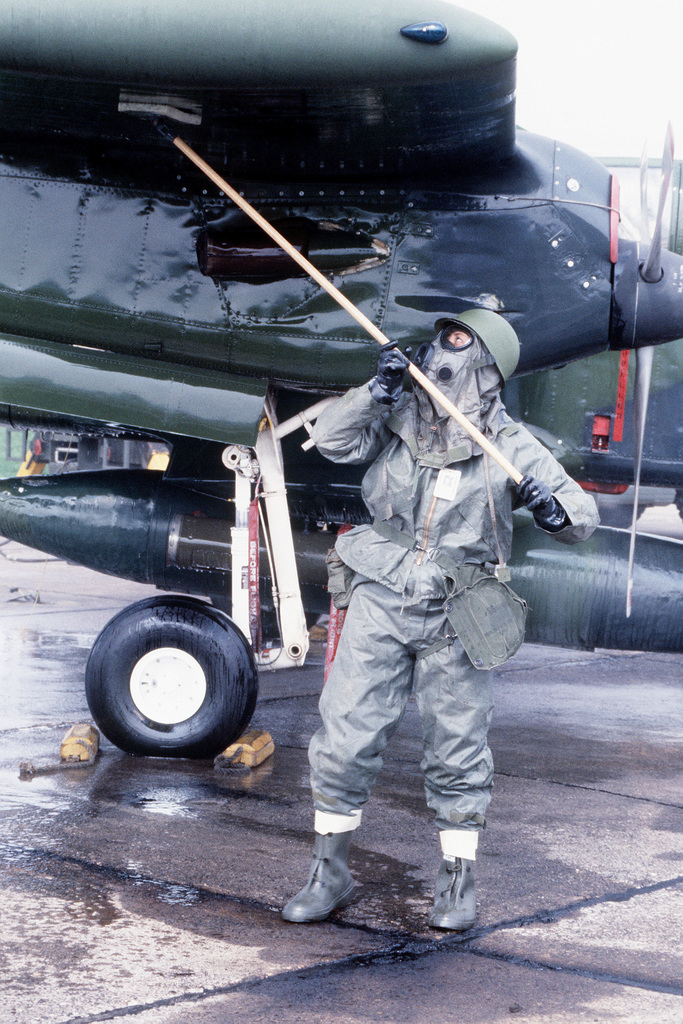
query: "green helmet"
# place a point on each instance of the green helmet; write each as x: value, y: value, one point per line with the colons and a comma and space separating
x: 495, y: 332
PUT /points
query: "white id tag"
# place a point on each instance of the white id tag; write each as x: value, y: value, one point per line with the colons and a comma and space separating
x: 447, y: 484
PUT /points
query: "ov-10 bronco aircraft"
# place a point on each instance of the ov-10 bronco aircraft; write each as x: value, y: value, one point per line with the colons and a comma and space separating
x: 138, y: 301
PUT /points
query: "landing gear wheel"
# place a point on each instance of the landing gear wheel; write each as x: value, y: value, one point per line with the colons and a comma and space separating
x: 171, y: 677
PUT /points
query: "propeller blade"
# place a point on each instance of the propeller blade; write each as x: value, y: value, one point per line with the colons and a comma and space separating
x: 644, y: 213
x: 640, y: 402
x: 652, y: 269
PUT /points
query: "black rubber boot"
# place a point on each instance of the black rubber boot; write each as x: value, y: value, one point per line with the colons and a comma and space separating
x: 455, y: 904
x: 329, y: 883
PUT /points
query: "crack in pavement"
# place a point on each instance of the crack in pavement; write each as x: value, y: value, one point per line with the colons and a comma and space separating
x: 589, y: 789
x: 401, y: 952
x: 15, y: 853
x: 402, y: 947
x: 592, y: 975
x: 549, y: 916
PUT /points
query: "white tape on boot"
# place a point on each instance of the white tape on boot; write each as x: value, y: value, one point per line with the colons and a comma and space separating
x: 326, y: 822
x: 456, y: 842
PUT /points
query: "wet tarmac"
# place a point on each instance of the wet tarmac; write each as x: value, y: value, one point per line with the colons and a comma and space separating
x: 149, y: 889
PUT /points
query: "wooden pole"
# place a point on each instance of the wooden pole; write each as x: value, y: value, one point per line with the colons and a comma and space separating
x: 352, y: 310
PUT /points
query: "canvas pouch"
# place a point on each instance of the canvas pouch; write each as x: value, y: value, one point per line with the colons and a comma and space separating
x: 486, y: 614
x: 339, y: 579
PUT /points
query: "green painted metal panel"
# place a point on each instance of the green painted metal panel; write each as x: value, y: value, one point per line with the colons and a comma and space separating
x: 142, y: 393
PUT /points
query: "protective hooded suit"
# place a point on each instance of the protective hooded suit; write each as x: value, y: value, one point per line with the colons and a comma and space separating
x: 442, y: 513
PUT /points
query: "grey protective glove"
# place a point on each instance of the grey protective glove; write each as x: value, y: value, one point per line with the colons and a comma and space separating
x: 538, y: 498
x: 386, y: 387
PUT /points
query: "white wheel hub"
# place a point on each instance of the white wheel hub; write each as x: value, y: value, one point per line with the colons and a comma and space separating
x: 168, y: 685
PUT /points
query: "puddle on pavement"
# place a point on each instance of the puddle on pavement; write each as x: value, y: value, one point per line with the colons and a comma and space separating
x: 44, y: 875
x: 181, y: 788
x: 101, y: 896
x: 87, y: 895
x: 388, y: 896
x: 96, y: 895
x: 43, y: 676
x: 384, y: 882
x: 160, y: 801
x: 170, y: 893
x: 35, y: 791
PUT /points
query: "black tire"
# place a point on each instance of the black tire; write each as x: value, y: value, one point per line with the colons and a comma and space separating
x: 161, y: 647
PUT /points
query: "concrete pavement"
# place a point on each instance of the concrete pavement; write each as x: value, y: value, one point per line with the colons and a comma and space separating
x: 149, y: 889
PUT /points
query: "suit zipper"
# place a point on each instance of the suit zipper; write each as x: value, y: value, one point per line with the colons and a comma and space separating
x: 428, y: 522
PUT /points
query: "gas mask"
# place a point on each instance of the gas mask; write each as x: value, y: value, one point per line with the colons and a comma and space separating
x: 467, y: 375
x: 425, y: 353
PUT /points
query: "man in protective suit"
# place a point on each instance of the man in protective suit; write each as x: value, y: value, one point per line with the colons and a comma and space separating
x: 429, y: 608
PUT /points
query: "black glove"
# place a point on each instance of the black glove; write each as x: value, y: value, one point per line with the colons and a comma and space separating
x: 538, y: 498
x: 386, y: 387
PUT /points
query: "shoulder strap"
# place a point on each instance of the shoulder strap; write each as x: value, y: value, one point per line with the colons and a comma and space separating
x: 400, y: 427
x: 410, y: 544
x: 502, y: 571
x: 397, y: 536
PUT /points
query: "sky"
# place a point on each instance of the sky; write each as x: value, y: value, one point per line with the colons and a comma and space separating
x: 602, y: 75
